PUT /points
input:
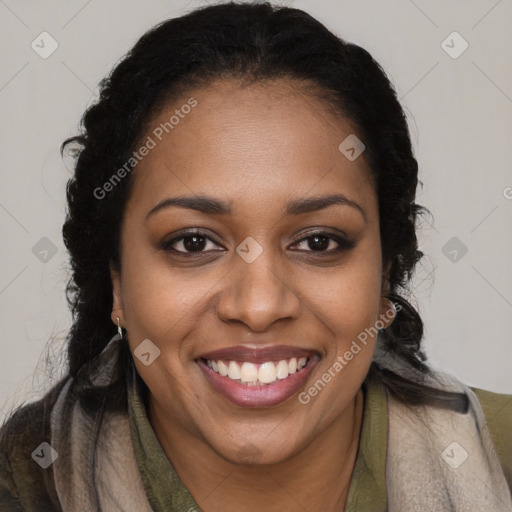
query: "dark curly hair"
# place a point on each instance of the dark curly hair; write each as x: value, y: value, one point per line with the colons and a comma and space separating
x: 256, y: 42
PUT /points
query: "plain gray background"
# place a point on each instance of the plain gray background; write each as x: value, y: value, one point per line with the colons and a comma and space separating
x: 459, y: 107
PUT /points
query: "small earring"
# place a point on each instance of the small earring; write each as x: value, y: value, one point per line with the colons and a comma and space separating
x: 390, y: 314
x: 392, y: 307
x: 119, y: 330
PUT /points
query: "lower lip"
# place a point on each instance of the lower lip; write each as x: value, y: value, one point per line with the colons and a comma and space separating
x: 258, y: 396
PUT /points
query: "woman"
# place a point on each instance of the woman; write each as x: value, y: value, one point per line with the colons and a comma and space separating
x: 243, y: 213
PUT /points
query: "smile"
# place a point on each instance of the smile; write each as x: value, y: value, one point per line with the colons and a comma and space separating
x: 252, y: 374
x: 257, y: 377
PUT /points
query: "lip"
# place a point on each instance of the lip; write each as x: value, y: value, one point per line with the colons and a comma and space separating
x: 257, y: 355
x: 266, y: 395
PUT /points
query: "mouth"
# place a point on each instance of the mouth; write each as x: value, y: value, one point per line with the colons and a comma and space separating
x: 258, y: 377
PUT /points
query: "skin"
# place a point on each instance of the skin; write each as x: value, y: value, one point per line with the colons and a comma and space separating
x: 258, y: 147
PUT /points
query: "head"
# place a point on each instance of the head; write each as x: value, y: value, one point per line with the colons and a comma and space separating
x: 245, y: 116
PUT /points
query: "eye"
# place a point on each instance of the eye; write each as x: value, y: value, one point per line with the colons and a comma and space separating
x: 198, y: 242
x: 190, y: 242
x: 323, y: 242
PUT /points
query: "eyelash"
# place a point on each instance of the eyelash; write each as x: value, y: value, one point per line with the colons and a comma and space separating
x: 343, y: 243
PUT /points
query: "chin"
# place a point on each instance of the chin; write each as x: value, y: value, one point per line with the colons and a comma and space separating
x: 259, y: 451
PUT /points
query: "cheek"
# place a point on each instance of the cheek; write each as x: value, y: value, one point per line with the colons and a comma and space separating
x: 348, y: 300
x: 158, y: 299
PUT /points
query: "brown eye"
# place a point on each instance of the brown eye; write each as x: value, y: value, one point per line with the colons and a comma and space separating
x: 323, y: 242
x: 319, y: 242
x: 194, y: 243
x: 191, y: 242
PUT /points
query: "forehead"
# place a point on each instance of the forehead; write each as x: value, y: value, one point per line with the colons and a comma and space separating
x: 259, y: 143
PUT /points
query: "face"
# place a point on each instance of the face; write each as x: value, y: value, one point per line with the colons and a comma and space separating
x: 269, y: 261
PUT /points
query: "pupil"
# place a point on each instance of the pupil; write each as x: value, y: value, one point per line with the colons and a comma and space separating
x: 193, y: 243
x: 320, y: 245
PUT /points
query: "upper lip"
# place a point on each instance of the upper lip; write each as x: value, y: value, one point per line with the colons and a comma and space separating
x: 257, y: 355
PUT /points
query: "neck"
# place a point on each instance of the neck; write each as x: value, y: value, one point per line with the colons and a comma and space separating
x: 315, y: 479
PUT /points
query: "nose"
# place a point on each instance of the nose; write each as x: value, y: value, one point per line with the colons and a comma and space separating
x: 257, y: 295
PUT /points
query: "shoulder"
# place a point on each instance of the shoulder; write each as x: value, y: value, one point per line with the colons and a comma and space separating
x: 24, y: 484
x: 9, y: 498
x: 497, y: 408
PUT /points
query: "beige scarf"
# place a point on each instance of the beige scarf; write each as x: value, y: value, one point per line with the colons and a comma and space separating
x: 437, y: 460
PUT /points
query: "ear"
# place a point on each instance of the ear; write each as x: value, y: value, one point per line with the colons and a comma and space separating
x: 117, y: 296
x: 385, y: 288
x: 387, y: 311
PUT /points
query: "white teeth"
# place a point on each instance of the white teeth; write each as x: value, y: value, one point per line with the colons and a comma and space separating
x: 282, y: 370
x: 223, y: 369
x: 252, y: 374
x: 233, y: 370
x: 248, y: 372
x: 267, y: 372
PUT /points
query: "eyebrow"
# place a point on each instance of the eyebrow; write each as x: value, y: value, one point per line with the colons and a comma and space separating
x: 311, y: 204
x: 213, y: 206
